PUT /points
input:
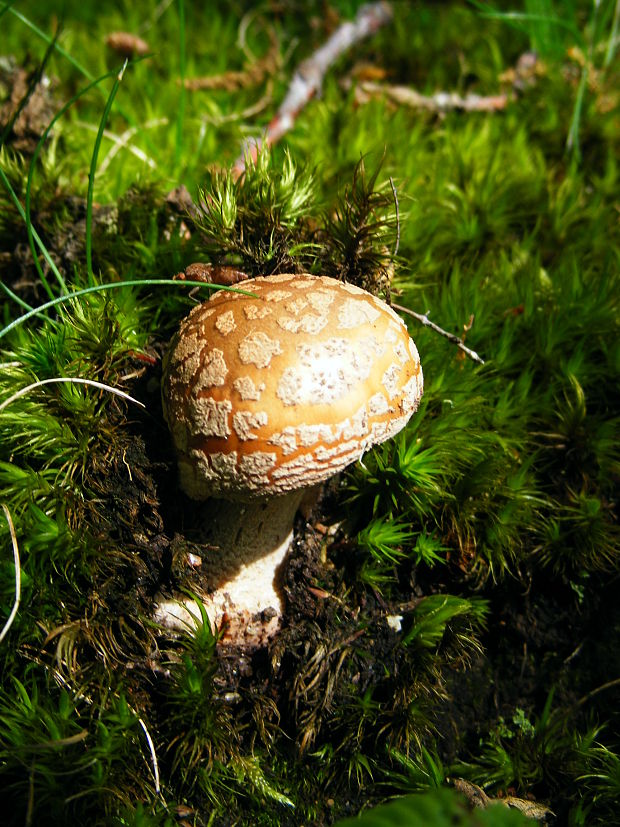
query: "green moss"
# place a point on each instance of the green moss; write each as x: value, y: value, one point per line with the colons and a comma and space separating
x: 488, y: 530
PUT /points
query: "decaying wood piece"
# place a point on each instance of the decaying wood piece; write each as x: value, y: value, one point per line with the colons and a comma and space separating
x: 308, y: 78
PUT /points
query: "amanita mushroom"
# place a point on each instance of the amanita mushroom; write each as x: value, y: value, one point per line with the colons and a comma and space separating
x: 266, y: 397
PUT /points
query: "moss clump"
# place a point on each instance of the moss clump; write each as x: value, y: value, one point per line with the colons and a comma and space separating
x: 451, y: 600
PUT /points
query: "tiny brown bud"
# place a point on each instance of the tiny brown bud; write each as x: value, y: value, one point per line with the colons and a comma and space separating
x: 126, y: 44
x: 212, y: 274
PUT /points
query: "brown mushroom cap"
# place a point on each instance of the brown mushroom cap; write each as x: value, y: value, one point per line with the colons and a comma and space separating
x: 265, y: 395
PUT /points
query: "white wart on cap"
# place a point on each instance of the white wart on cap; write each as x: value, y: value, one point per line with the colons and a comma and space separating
x: 268, y: 395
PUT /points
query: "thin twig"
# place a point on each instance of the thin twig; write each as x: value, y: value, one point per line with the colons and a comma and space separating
x: 18, y: 576
x: 439, y: 102
x: 397, y: 245
x: 72, y: 380
x: 308, y: 78
x: 601, y: 688
x: 451, y: 337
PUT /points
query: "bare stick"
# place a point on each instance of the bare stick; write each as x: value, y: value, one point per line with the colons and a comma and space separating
x: 608, y: 685
x: 18, y: 578
x: 439, y: 102
x: 308, y: 77
x: 451, y: 337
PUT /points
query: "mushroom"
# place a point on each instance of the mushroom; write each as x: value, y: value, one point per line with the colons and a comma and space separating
x: 266, y: 396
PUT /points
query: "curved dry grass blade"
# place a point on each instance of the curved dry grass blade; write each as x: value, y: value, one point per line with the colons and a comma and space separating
x: 18, y: 578
x: 76, y: 380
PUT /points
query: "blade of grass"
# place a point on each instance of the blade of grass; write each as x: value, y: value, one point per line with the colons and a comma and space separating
x: 572, y: 139
x: 93, y: 167
x: 31, y: 169
x: 49, y: 40
x: 15, y: 297
x: 613, y: 36
x: 181, y: 101
x: 7, y: 7
x: 521, y: 19
x: 36, y: 311
x: 7, y: 185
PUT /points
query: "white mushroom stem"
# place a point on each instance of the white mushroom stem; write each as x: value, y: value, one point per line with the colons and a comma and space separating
x: 241, y: 590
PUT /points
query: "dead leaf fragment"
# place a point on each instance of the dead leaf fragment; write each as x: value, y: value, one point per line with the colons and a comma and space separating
x: 474, y: 794
x: 531, y: 809
x: 477, y: 798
